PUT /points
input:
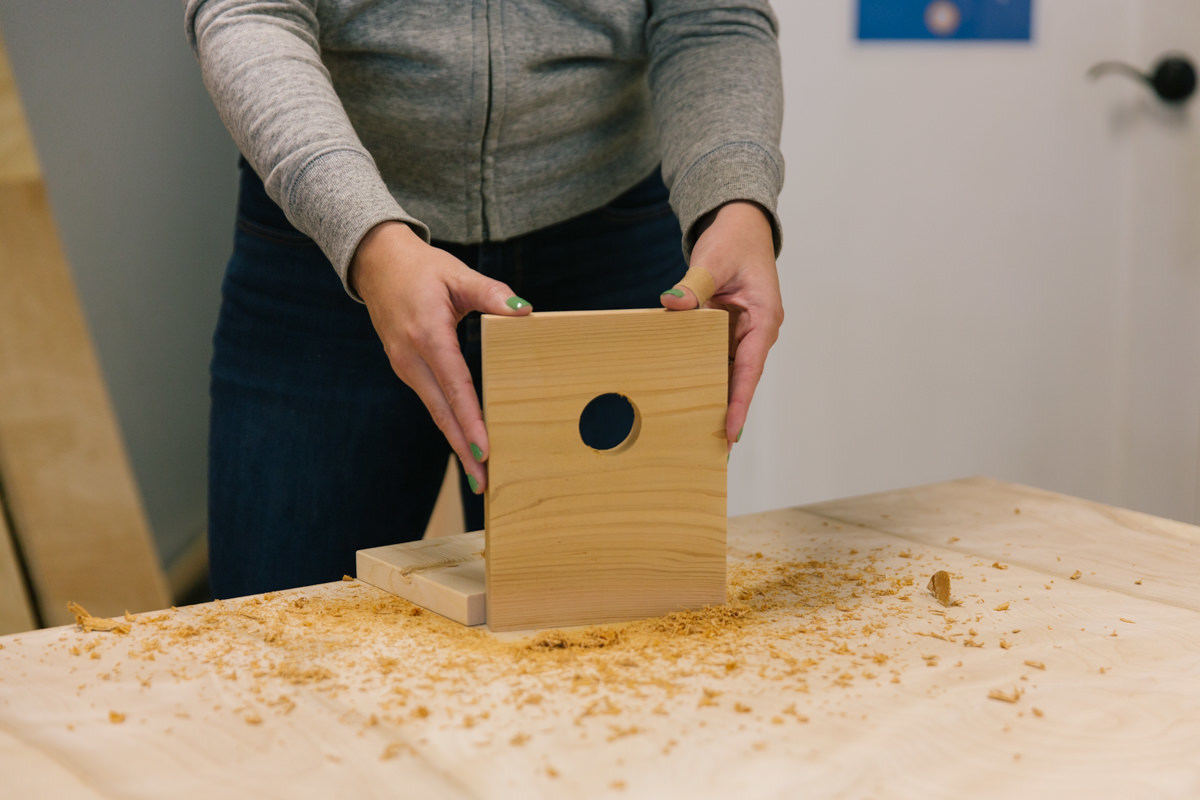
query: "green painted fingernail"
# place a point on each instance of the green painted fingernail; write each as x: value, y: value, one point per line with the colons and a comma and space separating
x: 674, y: 292
x: 474, y: 484
x: 516, y: 303
x: 739, y: 436
x: 477, y: 452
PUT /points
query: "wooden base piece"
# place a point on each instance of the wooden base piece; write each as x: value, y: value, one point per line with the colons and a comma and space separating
x: 444, y: 575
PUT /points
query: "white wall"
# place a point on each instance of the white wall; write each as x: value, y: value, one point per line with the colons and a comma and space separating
x: 958, y: 237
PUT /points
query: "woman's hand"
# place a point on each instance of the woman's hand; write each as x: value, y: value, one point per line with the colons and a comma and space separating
x: 737, y: 248
x: 416, y: 295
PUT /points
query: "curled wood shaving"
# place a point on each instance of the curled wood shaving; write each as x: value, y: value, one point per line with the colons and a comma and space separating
x: 939, y: 586
x: 89, y: 623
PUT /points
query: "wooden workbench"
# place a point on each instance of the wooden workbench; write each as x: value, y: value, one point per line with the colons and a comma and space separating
x: 1070, y: 667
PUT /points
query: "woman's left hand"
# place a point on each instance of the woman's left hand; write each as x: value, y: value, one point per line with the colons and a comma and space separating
x: 737, y: 248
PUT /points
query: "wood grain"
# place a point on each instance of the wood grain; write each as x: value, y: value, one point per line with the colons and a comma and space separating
x: 577, y: 535
x: 445, y: 574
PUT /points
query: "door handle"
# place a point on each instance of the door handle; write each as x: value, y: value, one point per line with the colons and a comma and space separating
x: 1173, y: 78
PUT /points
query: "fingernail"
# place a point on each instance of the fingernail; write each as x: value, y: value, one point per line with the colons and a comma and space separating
x: 516, y: 303
x: 673, y: 293
x: 474, y: 484
x: 476, y: 452
x: 739, y: 436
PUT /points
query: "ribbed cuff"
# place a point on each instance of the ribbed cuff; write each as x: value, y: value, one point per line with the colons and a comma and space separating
x: 336, y: 199
x: 735, y: 171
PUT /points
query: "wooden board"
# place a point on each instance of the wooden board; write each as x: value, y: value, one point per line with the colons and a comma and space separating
x: 577, y: 535
x: 444, y: 575
x: 447, y: 518
x: 16, y: 610
x: 70, y: 492
x: 18, y: 162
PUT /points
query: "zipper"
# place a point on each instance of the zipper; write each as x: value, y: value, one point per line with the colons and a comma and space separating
x: 484, y: 179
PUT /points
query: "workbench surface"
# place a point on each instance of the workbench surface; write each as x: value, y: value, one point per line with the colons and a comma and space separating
x: 1070, y: 666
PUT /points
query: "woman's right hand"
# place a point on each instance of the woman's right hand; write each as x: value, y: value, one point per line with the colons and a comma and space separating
x: 416, y: 295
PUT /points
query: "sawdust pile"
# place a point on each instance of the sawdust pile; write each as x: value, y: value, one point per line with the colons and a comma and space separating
x: 843, y: 620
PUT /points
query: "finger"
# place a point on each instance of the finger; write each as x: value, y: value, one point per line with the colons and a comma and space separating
x: 748, y: 364
x: 693, y: 290
x: 476, y: 292
x: 444, y: 359
x: 421, y: 378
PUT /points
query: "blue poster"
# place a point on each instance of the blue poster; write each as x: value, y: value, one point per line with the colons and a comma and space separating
x: 995, y: 20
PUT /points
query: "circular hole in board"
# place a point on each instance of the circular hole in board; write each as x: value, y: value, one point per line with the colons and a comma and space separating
x: 609, y: 423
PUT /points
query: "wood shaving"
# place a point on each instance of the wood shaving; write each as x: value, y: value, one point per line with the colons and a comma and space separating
x: 89, y: 623
x: 1035, y: 664
x: 1002, y: 607
x: 939, y: 586
x: 1076, y: 575
x: 1005, y: 697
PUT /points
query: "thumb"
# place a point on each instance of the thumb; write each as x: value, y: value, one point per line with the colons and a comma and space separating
x: 678, y: 298
x: 692, y: 291
x: 481, y: 293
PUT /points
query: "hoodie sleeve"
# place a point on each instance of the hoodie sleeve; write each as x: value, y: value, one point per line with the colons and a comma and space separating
x: 261, y: 63
x: 717, y: 94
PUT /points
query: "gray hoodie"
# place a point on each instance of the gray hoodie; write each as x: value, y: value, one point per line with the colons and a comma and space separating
x: 480, y: 120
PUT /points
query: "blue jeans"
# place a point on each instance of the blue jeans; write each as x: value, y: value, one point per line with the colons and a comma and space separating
x: 316, y: 448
